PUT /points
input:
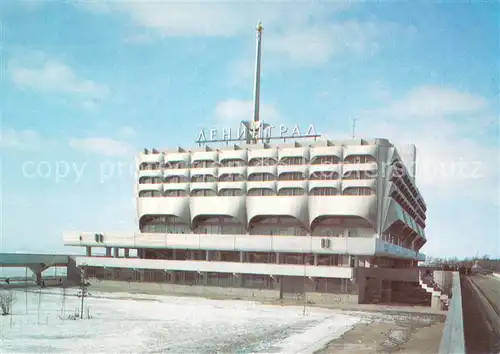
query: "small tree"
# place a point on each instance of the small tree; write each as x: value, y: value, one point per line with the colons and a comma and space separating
x: 83, y: 292
x: 7, y: 299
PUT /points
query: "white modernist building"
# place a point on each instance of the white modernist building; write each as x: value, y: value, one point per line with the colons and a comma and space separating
x: 254, y: 214
x: 318, y: 208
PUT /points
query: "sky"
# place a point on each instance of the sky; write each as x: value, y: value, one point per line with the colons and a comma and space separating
x: 87, y: 85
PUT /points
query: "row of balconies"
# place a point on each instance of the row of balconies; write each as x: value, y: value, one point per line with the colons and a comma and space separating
x: 367, y: 170
x: 245, y: 155
x: 316, y: 171
x: 255, y: 192
x: 246, y: 186
x: 321, y: 191
x: 264, y: 161
x: 259, y: 177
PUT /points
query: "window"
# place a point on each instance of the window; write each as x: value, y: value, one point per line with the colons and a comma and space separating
x: 176, y: 193
x: 176, y: 179
x: 324, y: 175
x: 254, y: 192
x: 203, y: 164
x: 146, y: 180
x: 231, y: 192
x: 325, y: 160
x: 176, y: 164
x: 323, y: 191
x: 203, y: 178
x: 231, y: 177
x: 232, y: 163
x: 293, y: 161
x: 261, y: 177
x: 291, y: 176
x: 291, y: 192
x: 262, y: 161
x: 145, y: 194
x: 358, y: 191
x: 203, y: 193
x: 149, y: 166
x: 326, y: 243
x: 359, y: 159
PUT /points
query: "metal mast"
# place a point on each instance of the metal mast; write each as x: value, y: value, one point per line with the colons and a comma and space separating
x: 256, y: 89
x: 255, y: 127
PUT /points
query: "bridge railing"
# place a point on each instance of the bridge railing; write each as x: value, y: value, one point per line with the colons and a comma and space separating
x: 452, y: 341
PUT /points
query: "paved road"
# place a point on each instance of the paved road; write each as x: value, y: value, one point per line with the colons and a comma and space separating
x: 481, y: 308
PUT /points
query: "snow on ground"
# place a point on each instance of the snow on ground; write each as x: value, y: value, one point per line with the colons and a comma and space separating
x: 133, y: 323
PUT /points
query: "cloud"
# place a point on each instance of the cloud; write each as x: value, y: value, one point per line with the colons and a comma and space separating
x: 213, y: 19
x: 457, y: 162
x: 302, y: 32
x: 102, y: 146
x: 127, y: 132
x: 53, y: 76
x: 432, y: 101
x: 455, y: 151
x: 237, y: 110
x: 317, y: 44
x: 24, y: 140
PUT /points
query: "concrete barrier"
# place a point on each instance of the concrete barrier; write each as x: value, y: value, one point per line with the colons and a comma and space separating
x: 453, y: 341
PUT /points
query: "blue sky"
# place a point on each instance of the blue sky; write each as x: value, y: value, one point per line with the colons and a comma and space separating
x: 87, y: 85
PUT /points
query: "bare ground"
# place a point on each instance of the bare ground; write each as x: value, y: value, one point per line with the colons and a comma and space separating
x: 403, y: 333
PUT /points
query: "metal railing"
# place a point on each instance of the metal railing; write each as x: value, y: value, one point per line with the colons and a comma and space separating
x: 452, y: 341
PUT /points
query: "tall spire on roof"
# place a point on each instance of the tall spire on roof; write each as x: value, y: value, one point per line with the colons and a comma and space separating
x: 256, y: 89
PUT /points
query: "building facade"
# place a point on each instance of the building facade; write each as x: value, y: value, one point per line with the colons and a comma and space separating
x: 309, y: 213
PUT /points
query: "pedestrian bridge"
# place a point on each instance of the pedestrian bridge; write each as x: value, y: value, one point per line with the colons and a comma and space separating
x: 27, y: 259
x: 37, y: 263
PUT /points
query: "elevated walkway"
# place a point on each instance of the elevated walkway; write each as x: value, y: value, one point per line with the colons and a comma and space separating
x: 37, y: 263
x: 25, y: 259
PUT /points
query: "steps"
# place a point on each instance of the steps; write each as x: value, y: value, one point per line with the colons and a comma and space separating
x: 410, y: 293
x: 427, y: 284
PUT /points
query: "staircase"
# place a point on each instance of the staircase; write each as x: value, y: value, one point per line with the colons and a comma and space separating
x: 428, y: 284
x: 410, y: 293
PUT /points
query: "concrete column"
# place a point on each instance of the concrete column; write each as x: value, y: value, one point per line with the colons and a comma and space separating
x: 315, y: 259
x: 117, y: 252
x: 242, y: 257
x: 126, y: 251
x: 207, y: 255
x: 89, y: 251
x: 277, y: 258
x: 174, y: 253
x: 108, y: 251
x: 38, y: 276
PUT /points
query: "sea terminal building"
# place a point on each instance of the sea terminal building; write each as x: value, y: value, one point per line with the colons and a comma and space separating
x: 295, y: 216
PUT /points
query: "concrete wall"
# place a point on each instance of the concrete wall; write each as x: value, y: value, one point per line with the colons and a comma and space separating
x: 375, y: 283
x: 444, y: 279
x: 219, y: 292
x: 326, y: 299
x: 197, y: 290
x: 72, y: 272
x: 395, y: 274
